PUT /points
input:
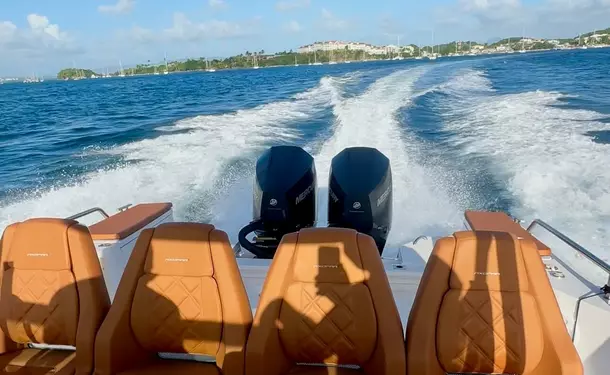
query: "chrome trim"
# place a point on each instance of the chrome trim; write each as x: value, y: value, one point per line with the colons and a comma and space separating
x: 415, y: 241
x: 89, y: 212
x: 581, y: 250
x: 124, y: 208
x: 397, y: 258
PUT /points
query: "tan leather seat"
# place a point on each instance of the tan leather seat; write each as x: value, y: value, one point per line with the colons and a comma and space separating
x: 485, y: 305
x: 326, y: 300
x: 181, y: 292
x: 52, y: 292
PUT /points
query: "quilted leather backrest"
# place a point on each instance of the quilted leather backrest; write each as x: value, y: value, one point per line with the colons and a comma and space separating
x: 327, y: 314
x: 176, y: 307
x: 39, y: 300
x: 487, y: 311
x: 488, y: 261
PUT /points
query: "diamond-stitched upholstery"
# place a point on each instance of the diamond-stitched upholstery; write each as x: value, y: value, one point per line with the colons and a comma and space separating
x: 328, y: 323
x: 42, y: 307
x: 177, y: 309
x: 52, y: 292
x: 181, y: 292
x: 485, y: 305
x: 326, y: 301
x: 488, y: 333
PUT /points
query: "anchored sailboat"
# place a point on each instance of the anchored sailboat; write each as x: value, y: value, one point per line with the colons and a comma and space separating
x: 470, y: 51
x: 315, y: 59
x: 432, y: 55
x: 121, y: 71
x: 331, y: 58
x: 208, y: 68
x: 166, y: 65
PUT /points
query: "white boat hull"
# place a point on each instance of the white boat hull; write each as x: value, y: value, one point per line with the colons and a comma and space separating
x: 584, y: 310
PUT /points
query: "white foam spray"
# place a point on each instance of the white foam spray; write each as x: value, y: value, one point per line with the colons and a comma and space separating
x: 539, y: 151
x: 421, y: 203
x: 181, y: 168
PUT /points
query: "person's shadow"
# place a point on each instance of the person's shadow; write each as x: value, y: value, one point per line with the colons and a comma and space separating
x: 324, y: 317
x: 33, y: 312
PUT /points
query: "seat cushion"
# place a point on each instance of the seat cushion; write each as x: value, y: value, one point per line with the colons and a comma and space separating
x: 176, y: 307
x: 489, y: 332
x: 168, y: 366
x: 38, y: 362
x: 126, y: 223
x: 501, y: 222
x: 328, y: 323
x: 322, y: 370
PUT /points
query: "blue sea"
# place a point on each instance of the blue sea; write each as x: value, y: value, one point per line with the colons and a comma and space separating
x: 524, y: 133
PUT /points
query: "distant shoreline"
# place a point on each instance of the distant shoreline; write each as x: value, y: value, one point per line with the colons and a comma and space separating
x: 283, y: 60
x: 302, y: 59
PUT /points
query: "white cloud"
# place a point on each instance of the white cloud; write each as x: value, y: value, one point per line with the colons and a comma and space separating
x: 288, y: 5
x: 121, y: 7
x: 7, y: 30
x: 186, y: 30
x: 217, y: 4
x: 331, y: 22
x: 489, y: 5
x: 40, y: 43
x: 494, y: 12
x: 293, y: 27
x: 183, y: 29
x: 41, y: 24
x: 546, y: 18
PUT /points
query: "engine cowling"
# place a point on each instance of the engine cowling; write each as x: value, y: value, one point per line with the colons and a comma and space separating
x: 360, y: 193
x: 284, y: 199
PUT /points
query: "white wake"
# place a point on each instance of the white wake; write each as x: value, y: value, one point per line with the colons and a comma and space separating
x: 421, y: 203
x: 539, y: 151
x: 181, y: 168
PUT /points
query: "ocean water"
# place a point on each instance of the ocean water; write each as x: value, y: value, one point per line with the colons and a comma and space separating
x: 528, y: 134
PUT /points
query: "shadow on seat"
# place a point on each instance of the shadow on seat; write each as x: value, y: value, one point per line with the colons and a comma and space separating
x: 52, y: 292
x: 181, y: 293
x: 485, y: 305
x: 326, y: 308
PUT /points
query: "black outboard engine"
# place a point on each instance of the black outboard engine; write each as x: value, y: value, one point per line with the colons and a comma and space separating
x: 360, y: 193
x: 284, y: 198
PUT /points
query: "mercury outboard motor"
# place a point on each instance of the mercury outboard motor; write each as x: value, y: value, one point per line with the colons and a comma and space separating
x: 360, y: 193
x: 284, y: 198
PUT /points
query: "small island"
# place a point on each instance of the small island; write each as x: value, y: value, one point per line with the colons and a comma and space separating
x: 75, y: 74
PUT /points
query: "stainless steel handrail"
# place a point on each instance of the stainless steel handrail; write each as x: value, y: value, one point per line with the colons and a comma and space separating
x: 586, y: 253
x: 88, y: 212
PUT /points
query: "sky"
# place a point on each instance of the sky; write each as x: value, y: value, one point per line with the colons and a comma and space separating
x: 45, y: 36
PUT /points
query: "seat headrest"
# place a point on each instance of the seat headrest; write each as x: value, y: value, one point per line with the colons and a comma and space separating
x: 328, y: 255
x: 180, y: 249
x: 41, y: 244
x: 488, y: 261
